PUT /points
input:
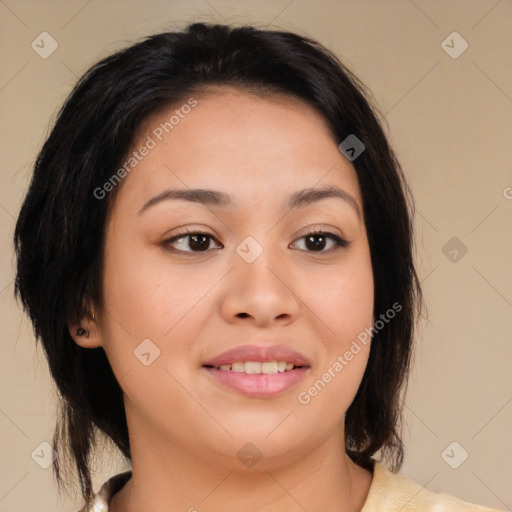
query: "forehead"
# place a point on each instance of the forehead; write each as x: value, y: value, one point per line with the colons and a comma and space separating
x: 252, y: 147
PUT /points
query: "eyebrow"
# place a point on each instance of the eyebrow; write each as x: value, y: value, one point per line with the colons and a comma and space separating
x: 215, y: 198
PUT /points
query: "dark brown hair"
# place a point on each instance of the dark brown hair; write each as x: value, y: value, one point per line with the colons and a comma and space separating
x: 59, y: 235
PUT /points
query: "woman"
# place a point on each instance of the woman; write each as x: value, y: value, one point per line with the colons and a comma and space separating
x: 216, y: 253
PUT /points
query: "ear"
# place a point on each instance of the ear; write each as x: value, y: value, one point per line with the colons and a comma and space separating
x: 85, y: 330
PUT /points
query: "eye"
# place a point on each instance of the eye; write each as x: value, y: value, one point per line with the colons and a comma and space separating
x: 316, y: 241
x: 197, y: 242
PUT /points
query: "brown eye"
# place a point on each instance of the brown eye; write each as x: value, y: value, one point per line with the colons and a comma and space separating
x: 317, y: 241
x: 197, y: 242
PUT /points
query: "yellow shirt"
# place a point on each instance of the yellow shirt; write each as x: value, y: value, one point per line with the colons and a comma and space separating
x: 392, y: 492
x: 389, y: 492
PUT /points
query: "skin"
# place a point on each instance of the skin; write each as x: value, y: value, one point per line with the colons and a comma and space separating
x: 185, y: 429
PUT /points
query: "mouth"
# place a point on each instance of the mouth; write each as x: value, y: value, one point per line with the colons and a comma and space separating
x: 258, y: 372
x: 257, y: 367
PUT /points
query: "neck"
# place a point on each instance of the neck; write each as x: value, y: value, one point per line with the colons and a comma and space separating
x: 169, y: 477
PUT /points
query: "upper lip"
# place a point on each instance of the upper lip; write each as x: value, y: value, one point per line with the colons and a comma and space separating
x: 259, y: 353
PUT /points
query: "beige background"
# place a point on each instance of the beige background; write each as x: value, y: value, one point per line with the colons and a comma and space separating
x: 450, y: 121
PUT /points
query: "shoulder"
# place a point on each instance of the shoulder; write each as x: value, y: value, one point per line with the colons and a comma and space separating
x: 108, y: 489
x: 388, y: 492
x: 392, y: 491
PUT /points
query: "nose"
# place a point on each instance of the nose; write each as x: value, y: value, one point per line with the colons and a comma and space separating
x: 260, y: 292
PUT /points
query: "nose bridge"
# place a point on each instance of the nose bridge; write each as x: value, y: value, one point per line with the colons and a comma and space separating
x: 261, y: 259
x: 259, y: 286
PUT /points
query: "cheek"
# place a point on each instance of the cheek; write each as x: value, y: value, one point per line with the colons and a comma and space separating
x: 142, y: 301
x: 146, y: 298
x: 343, y: 302
x: 347, y: 301
x: 342, y: 297
x: 149, y: 327
x: 143, y: 293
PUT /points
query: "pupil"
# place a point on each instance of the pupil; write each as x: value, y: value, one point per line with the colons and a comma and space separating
x: 320, y: 245
x: 200, y: 246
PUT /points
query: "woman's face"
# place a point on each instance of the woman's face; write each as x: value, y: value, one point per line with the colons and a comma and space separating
x: 252, y: 282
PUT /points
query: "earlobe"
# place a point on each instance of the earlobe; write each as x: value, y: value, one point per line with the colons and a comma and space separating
x: 85, y: 333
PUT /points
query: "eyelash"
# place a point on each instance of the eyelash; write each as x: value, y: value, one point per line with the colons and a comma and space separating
x: 339, y: 242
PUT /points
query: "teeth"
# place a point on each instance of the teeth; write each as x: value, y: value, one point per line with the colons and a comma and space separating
x: 269, y: 367
x: 238, y: 367
x: 255, y: 367
x: 252, y: 367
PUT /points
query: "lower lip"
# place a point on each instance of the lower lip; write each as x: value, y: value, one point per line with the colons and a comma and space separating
x: 258, y: 385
